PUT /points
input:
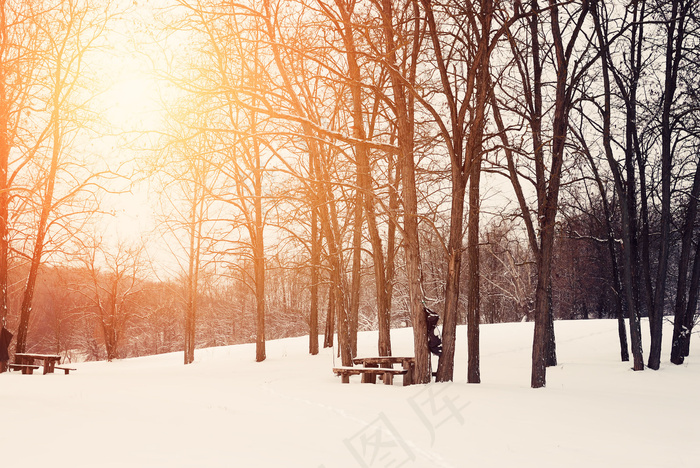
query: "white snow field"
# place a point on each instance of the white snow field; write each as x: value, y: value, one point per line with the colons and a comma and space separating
x: 225, y: 410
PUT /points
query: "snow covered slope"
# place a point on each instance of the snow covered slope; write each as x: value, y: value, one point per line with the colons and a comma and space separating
x: 225, y: 410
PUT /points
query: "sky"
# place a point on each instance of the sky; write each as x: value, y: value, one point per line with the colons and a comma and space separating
x: 131, y: 96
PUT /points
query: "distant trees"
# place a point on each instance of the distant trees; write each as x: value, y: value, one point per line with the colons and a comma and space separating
x: 115, y: 281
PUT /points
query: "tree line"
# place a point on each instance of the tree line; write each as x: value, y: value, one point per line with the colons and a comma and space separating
x: 490, y: 160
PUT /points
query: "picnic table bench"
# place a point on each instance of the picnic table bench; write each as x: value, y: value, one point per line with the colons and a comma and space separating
x: 25, y: 368
x: 371, y: 367
x: 25, y: 362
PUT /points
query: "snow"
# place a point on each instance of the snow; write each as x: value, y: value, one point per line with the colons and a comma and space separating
x: 225, y: 410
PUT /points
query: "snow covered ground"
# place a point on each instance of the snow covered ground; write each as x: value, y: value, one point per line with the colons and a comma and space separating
x: 225, y: 410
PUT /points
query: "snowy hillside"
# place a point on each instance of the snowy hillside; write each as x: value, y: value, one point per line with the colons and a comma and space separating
x: 290, y: 411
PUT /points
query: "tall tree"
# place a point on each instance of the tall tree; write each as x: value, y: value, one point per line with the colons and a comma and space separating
x: 528, y: 46
x: 366, y: 199
x: 403, y: 107
x: 466, y: 95
x: 674, y: 51
x: 71, y: 29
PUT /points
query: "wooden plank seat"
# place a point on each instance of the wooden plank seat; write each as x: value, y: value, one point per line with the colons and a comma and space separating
x: 66, y: 370
x: 369, y: 374
x: 25, y: 368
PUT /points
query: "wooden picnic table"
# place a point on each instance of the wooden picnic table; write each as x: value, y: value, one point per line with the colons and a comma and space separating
x: 370, y: 367
x: 25, y: 362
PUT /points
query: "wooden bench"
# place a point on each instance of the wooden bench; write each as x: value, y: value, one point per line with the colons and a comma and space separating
x: 407, y: 363
x: 66, y: 370
x: 369, y: 374
x: 25, y: 368
x: 49, y: 360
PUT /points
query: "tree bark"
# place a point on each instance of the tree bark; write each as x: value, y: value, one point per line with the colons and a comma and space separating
x: 543, y: 342
x: 473, y: 295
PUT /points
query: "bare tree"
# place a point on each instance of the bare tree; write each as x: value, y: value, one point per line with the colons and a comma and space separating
x: 114, y: 280
x: 18, y: 66
x: 466, y: 95
x: 403, y: 106
x: 567, y: 67
x: 70, y: 30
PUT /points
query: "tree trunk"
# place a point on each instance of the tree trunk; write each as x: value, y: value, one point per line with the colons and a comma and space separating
x: 46, y: 207
x: 328, y: 216
x: 464, y: 143
x: 445, y: 370
x: 315, y: 264
x: 423, y: 372
x: 681, y: 306
x: 543, y: 344
x: 5, y: 145
x: 691, y: 309
x: 674, y: 52
x: 356, y: 266
x: 191, y: 283
x: 329, y: 334
x: 625, y: 189
x: 473, y: 295
x: 364, y: 178
x: 259, y: 266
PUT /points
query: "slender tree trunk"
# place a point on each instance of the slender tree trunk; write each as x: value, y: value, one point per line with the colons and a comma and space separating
x: 543, y: 342
x: 681, y: 306
x: 46, y: 207
x: 464, y: 143
x: 329, y: 333
x: 328, y: 216
x: 391, y: 228
x: 445, y: 370
x: 5, y: 145
x: 626, y: 188
x: 259, y: 257
x: 315, y: 264
x: 473, y: 295
x: 356, y: 266
x: 364, y: 178
x: 691, y: 309
x: 607, y: 212
x: 192, y: 280
x: 460, y: 164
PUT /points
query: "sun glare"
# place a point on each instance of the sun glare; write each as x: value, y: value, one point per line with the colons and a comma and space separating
x: 132, y: 102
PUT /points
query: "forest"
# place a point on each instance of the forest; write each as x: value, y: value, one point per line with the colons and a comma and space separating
x: 324, y: 167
